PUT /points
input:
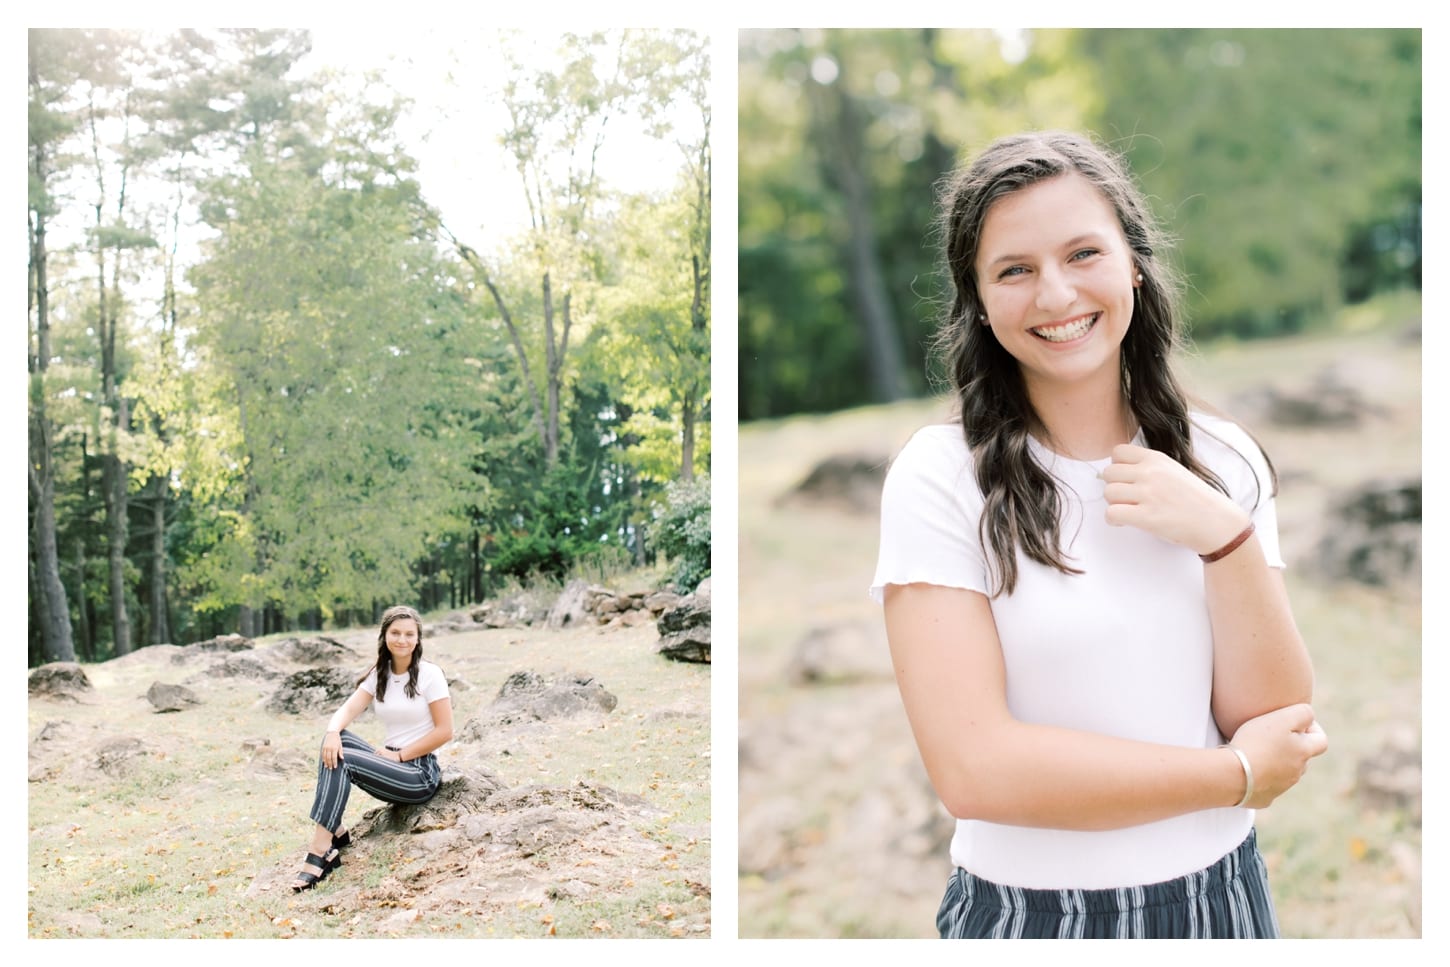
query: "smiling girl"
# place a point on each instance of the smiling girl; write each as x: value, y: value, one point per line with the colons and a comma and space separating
x: 1082, y: 583
x: 410, y: 696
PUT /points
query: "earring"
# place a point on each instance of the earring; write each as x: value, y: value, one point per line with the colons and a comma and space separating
x: 1140, y: 276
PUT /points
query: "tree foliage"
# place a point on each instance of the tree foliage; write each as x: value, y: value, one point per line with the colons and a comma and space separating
x: 1286, y: 161
x: 258, y: 354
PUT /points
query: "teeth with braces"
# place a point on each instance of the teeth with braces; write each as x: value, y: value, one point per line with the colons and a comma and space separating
x: 1070, y: 331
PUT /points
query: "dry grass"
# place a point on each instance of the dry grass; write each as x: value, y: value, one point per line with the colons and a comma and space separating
x: 827, y: 838
x: 174, y: 849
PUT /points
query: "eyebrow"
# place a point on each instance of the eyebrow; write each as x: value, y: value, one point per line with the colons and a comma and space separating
x: 1073, y: 242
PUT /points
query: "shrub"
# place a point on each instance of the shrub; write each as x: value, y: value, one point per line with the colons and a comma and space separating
x: 681, y: 531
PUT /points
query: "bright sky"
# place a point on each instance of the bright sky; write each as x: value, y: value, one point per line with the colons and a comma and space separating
x: 453, y: 75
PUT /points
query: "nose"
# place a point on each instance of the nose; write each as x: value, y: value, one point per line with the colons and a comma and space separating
x: 1055, y: 292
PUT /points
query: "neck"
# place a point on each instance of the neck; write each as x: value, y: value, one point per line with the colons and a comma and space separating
x: 399, y: 671
x: 1082, y: 421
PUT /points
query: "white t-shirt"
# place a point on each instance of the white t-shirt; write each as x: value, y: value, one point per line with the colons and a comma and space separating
x: 406, y: 719
x: 1124, y: 649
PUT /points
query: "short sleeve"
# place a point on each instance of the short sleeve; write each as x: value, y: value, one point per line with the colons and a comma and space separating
x: 930, y: 507
x: 369, y: 683
x: 432, y: 683
x: 1239, y: 461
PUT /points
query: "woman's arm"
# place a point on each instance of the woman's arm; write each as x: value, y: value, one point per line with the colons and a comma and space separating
x: 1259, y: 660
x: 442, y: 731
x: 984, y: 764
x: 341, y: 719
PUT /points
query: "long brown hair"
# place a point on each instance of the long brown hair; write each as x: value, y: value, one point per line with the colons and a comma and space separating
x: 384, y: 664
x: 1023, y: 504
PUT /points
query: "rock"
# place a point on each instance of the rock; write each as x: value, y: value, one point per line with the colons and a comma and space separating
x: 313, y: 691
x: 251, y: 667
x: 515, y: 611
x: 222, y: 643
x: 1374, y: 535
x: 63, y: 680
x: 1392, y: 777
x: 528, y: 697
x: 841, y: 654
x: 171, y: 698
x: 569, y: 607
x: 117, y: 758
x: 464, y: 791
x: 319, y: 650
x: 850, y: 481
x: 660, y: 601
x: 1330, y: 401
x: 685, y: 628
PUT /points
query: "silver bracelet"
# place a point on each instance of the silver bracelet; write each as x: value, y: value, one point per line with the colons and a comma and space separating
x: 1248, y: 774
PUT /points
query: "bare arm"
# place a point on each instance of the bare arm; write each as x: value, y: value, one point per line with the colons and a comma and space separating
x: 1259, y: 660
x: 984, y: 764
x: 341, y: 719
x: 442, y: 731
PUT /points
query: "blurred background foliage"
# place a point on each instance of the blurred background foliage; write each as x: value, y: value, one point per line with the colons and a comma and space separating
x: 1287, y: 162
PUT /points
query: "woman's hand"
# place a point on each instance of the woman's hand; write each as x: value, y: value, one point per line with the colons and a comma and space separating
x: 388, y: 752
x: 332, y: 749
x: 1279, y: 745
x: 1150, y: 490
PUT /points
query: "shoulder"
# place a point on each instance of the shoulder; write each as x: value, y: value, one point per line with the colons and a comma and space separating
x: 1230, y: 451
x: 936, y: 453
x: 431, y: 674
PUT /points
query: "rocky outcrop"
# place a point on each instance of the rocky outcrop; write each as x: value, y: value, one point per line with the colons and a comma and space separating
x: 529, y: 697
x: 171, y: 698
x: 61, y: 680
x: 685, y: 627
x: 1374, y: 534
x: 313, y: 691
x: 848, y: 481
x: 319, y: 650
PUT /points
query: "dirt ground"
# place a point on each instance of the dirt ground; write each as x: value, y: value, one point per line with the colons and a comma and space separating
x: 194, y: 823
x: 840, y: 833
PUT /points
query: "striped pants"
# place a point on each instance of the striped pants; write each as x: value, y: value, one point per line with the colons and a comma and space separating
x: 1228, y: 899
x: 411, y: 782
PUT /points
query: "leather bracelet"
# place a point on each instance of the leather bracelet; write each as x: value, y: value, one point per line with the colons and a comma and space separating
x: 1230, y: 547
x: 1248, y: 774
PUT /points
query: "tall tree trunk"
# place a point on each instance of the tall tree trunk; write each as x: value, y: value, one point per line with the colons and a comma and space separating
x: 113, y: 482
x: 841, y: 154
x: 55, y: 628
x: 84, y: 631
x: 160, y: 623
x: 687, y: 441
x: 58, y: 643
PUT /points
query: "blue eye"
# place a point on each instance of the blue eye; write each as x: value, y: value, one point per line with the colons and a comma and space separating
x: 1012, y: 270
x: 1079, y: 255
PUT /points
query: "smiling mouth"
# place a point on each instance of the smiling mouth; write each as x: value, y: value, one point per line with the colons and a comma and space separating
x: 1068, y: 331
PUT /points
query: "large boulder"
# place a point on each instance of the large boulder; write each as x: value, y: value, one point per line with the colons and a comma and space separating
x: 319, y: 650
x: 571, y: 607
x: 685, y: 627
x: 1374, y: 534
x: 530, y: 697
x: 312, y: 691
x: 848, y: 481
x: 171, y: 698
x: 63, y: 680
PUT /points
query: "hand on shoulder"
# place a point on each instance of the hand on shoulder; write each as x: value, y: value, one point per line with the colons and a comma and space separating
x: 1150, y: 490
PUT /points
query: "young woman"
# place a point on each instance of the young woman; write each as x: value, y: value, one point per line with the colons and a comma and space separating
x: 1081, y: 580
x: 410, y: 696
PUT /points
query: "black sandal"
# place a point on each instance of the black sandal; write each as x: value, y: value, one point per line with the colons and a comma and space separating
x: 326, y: 865
x: 338, y: 842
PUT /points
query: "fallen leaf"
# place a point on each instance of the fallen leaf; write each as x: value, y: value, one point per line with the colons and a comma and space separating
x: 601, y: 926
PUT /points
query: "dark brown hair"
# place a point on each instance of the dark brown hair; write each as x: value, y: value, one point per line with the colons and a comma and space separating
x: 1023, y: 504
x: 384, y: 664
